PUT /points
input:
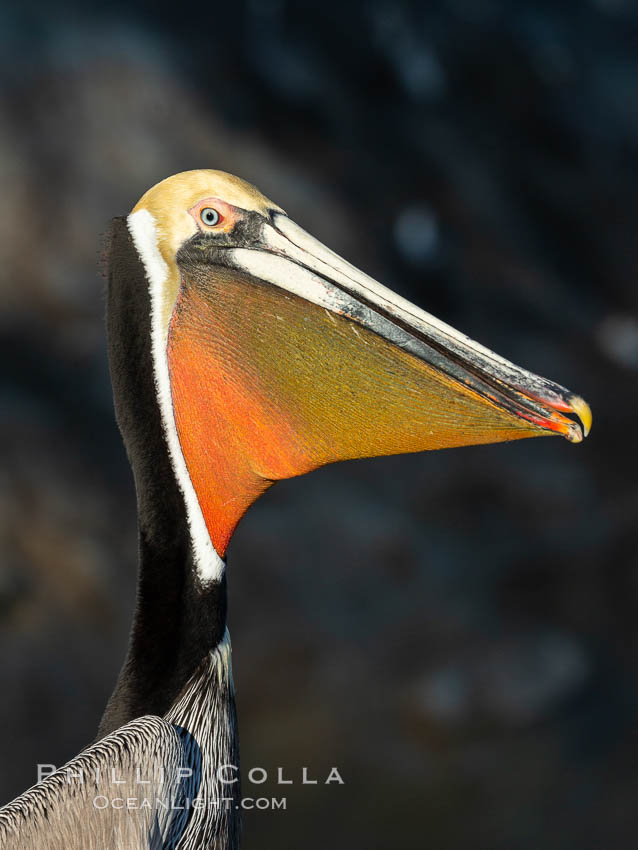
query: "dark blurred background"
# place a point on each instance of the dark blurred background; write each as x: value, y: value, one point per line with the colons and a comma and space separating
x: 454, y: 631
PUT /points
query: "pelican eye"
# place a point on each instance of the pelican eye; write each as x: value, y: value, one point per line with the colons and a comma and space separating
x: 209, y: 216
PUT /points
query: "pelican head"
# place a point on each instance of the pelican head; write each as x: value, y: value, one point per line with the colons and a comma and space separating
x: 273, y: 356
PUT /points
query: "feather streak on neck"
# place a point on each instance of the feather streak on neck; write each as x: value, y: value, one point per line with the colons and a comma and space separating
x: 143, y: 229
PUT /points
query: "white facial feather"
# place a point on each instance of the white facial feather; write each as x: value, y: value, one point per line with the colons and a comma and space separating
x: 143, y: 229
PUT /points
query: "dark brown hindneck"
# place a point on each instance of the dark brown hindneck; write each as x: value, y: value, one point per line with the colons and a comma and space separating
x: 176, y: 621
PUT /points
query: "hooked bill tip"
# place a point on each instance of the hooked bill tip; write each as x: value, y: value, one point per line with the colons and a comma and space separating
x: 576, y: 425
x: 580, y: 407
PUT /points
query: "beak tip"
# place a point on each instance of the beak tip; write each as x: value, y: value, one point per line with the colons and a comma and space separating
x: 575, y: 434
x: 580, y: 407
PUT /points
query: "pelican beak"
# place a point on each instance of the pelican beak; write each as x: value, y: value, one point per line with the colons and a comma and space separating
x: 284, y: 255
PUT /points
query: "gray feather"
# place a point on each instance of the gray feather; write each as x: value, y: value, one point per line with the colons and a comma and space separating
x: 161, y: 765
x: 67, y: 809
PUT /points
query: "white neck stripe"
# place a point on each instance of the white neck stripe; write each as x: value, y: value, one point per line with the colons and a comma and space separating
x: 142, y: 227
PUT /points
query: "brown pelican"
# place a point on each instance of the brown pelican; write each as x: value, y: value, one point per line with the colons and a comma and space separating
x: 242, y: 351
